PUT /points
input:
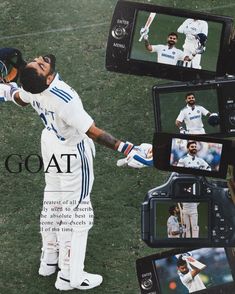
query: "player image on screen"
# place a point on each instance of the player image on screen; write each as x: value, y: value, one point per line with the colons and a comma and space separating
x: 192, y: 160
x: 167, y: 54
x: 191, y: 116
x: 189, y: 275
x: 196, y: 32
x: 190, y: 219
x: 174, y: 229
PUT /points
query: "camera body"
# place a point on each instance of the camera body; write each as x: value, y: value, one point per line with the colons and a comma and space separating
x: 206, y: 216
x: 126, y: 52
x: 158, y: 273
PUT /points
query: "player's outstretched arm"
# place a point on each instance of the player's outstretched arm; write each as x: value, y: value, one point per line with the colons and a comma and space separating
x: 136, y: 156
x: 102, y: 137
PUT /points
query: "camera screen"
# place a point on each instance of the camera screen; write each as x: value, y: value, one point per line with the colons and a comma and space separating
x: 174, y: 220
x: 176, y: 40
x: 187, y: 109
x: 175, y: 273
x: 195, y: 154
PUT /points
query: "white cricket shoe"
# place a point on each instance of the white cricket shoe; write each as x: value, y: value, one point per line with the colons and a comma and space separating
x: 90, y: 281
x: 62, y: 284
x: 46, y: 270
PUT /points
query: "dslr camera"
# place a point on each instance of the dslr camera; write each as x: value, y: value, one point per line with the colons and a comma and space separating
x: 188, y: 210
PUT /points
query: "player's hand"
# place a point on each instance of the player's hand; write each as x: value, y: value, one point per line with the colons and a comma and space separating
x: 199, y: 50
x: 182, y: 130
x: 7, y: 91
x: 144, y: 33
x: 213, y: 119
x: 139, y: 157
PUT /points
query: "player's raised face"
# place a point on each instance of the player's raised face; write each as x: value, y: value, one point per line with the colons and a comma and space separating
x: 190, y: 100
x: 172, y: 40
x: 183, y: 269
x: 192, y: 148
x: 42, y: 65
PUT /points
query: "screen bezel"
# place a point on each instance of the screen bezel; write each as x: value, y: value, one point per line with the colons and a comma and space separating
x: 121, y: 61
x: 147, y: 265
x: 162, y: 150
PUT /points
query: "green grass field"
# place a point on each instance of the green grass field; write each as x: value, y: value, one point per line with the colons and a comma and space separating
x: 76, y: 32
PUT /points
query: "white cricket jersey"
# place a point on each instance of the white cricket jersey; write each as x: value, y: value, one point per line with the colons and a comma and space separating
x: 61, y: 111
x: 192, y: 284
x: 193, y: 162
x: 190, y: 207
x: 168, y: 55
x: 173, y: 226
x: 192, y: 117
x: 191, y: 28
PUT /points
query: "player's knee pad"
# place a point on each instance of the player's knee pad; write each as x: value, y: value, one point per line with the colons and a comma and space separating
x: 49, y: 248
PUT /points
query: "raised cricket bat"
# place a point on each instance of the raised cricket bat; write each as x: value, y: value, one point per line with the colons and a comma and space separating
x: 192, y: 261
x: 148, y: 23
x: 181, y: 219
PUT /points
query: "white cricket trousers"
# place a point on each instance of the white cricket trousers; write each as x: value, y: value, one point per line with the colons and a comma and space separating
x: 67, y: 213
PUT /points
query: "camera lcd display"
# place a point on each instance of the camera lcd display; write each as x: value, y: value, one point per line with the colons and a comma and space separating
x: 214, y: 271
x: 176, y: 41
x: 172, y: 107
x: 181, y: 219
x: 195, y: 154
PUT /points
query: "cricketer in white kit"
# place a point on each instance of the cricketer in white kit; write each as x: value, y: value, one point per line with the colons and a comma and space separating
x: 191, y: 116
x: 167, y: 54
x: 191, y: 160
x: 173, y: 226
x: 189, y: 276
x: 67, y: 213
x: 191, y: 28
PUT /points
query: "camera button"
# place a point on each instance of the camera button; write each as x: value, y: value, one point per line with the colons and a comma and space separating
x: 118, y: 32
x: 155, y: 193
x: 146, y: 284
x: 163, y: 193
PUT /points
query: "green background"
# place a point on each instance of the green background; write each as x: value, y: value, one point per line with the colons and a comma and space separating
x: 76, y: 32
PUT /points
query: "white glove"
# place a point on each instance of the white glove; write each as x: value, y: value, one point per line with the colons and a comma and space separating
x: 182, y: 130
x: 139, y: 157
x: 186, y: 255
x: 7, y: 91
x: 144, y: 33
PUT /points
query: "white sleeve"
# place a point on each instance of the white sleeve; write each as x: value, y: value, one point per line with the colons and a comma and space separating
x: 180, y: 117
x: 205, y: 28
x: 180, y: 162
x: 25, y: 96
x: 204, y: 111
x: 156, y: 48
x: 186, y: 278
x: 181, y: 29
x: 75, y: 115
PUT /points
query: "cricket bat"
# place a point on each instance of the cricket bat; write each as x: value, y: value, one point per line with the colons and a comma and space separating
x: 195, y: 263
x: 181, y: 218
x: 148, y: 23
